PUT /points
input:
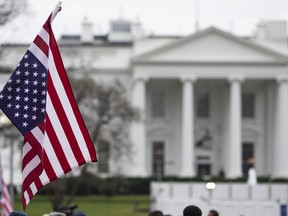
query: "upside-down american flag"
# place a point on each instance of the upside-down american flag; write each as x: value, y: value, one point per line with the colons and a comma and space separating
x: 5, y: 200
x: 39, y: 101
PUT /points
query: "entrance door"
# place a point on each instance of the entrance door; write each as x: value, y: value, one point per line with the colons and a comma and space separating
x: 158, y: 158
x: 204, y: 169
x: 248, y: 158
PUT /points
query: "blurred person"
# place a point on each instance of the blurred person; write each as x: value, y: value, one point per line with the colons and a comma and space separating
x: 156, y: 213
x: 192, y: 210
x: 213, y: 213
x: 252, y: 176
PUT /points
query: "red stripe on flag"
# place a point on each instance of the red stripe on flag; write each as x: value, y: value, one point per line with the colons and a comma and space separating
x: 47, y: 25
x: 30, y: 194
x: 32, y: 176
x: 42, y: 45
x: 57, y: 146
x: 64, y: 122
x: 38, y: 183
x: 24, y: 202
x: 41, y: 126
x: 65, y: 81
x: 48, y: 167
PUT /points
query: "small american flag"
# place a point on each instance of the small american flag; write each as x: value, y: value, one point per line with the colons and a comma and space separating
x: 39, y: 101
x: 5, y: 199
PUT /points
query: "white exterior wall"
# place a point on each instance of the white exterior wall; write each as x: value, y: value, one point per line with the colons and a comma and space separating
x: 168, y: 128
x: 144, y: 45
x: 162, y: 129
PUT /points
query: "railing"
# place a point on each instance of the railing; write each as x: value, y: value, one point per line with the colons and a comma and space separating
x: 227, y: 198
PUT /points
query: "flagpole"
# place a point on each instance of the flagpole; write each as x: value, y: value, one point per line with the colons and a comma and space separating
x: 11, y: 188
x: 56, y: 10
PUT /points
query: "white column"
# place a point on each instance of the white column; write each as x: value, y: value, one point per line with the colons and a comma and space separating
x: 187, y: 153
x: 280, y: 165
x: 138, y: 129
x: 234, y: 153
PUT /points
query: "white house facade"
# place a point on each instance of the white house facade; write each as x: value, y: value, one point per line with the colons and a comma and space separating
x: 212, y: 103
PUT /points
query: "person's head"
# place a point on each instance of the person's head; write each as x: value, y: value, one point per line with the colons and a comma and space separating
x: 156, y: 213
x: 192, y: 210
x: 213, y: 213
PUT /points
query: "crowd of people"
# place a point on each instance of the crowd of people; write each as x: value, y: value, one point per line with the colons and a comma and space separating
x: 190, y: 210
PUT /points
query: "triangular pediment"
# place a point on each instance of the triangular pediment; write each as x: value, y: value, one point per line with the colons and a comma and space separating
x: 211, y: 45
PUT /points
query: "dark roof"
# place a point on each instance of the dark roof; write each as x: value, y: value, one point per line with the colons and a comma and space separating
x: 165, y: 36
x: 78, y: 37
x: 70, y: 37
x: 98, y: 40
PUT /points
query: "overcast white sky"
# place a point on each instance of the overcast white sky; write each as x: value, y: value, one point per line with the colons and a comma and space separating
x: 173, y: 17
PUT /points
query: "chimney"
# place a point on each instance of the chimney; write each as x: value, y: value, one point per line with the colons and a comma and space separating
x: 272, y: 30
x: 136, y: 30
x: 87, y: 31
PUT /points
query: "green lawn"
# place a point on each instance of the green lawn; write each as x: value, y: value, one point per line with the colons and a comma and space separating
x: 93, y: 205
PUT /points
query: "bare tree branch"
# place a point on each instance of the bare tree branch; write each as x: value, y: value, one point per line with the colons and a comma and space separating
x: 107, y: 112
x: 9, y: 9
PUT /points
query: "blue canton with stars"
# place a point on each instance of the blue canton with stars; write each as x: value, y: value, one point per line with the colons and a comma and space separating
x: 23, y: 98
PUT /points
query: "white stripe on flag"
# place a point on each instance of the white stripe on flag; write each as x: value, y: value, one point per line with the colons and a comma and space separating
x: 51, y: 156
x: 44, y: 35
x: 38, y: 134
x: 39, y: 54
x: 44, y: 178
x: 33, y: 188
x: 30, y: 166
x: 26, y: 197
x: 26, y: 148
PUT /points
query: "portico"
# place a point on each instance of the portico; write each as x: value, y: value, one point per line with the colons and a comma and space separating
x: 228, y: 63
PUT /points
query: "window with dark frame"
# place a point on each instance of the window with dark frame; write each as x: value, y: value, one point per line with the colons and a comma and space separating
x: 158, y: 104
x: 248, y: 105
x: 121, y: 27
x: 203, y: 105
x: 204, y: 169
